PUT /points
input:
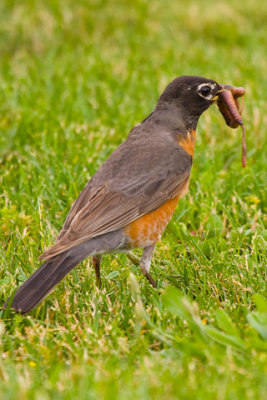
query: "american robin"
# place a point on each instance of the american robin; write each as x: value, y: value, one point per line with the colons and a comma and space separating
x: 131, y: 198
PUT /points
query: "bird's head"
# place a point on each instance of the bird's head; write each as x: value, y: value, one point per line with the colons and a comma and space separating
x: 190, y: 96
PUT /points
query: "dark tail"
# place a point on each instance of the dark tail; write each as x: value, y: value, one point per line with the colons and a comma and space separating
x: 42, y: 281
x: 55, y: 269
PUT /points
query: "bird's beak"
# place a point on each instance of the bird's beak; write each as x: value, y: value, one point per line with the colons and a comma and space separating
x: 216, y: 97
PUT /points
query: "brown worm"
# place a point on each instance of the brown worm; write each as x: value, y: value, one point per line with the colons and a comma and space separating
x: 229, y: 107
x: 228, y: 117
x: 238, y: 91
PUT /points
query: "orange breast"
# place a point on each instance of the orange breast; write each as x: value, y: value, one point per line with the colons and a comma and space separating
x: 188, y: 142
x: 147, y: 229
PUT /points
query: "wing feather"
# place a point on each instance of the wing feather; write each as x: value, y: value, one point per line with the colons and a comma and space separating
x: 114, y: 198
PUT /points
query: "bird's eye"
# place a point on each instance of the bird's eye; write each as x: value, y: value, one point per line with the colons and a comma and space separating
x: 205, y: 90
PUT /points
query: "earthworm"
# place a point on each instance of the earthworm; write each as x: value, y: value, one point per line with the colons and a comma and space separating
x: 238, y: 91
x: 230, y: 109
x: 228, y: 117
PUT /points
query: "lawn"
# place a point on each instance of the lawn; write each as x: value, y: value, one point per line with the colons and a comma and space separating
x: 75, y: 77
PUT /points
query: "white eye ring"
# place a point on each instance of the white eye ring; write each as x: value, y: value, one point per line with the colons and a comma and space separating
x: 209, y: 95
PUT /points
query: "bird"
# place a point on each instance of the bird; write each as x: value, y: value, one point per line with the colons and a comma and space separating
x: 129, y: 201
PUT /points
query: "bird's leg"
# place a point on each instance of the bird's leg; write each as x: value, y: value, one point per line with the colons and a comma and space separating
x: 145, y: 263
x: 96, y: 260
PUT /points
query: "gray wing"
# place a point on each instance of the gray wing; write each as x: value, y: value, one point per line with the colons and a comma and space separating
x: 140, y: 176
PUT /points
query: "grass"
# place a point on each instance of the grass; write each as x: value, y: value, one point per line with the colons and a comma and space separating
x: 75, y: 77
